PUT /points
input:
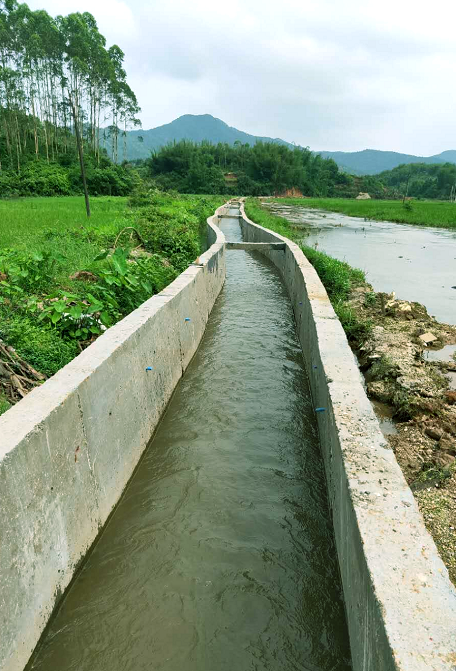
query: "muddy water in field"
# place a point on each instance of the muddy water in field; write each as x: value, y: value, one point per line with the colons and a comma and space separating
x: 220, y: 556
x: 417, y: 262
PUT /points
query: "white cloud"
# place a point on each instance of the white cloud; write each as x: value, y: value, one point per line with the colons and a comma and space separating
x: 332, y: 74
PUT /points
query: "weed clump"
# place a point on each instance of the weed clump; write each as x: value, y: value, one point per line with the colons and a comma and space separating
x: 41, y: 346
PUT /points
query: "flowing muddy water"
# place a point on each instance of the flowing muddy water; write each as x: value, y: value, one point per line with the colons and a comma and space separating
x: 418, y: 263
x: 220, y: 556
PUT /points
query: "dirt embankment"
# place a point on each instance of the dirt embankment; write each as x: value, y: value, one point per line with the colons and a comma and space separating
x: 410, y: 366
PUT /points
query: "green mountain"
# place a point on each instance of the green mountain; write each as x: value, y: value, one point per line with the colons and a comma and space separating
x: 373, y: 161
x: 199, y: 127
x: 188, y: 127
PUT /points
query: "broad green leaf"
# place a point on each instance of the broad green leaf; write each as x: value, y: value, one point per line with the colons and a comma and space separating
x: 102, y: 255
x: 75, y: 311
x: 105, y: 319
x: 60, y: 306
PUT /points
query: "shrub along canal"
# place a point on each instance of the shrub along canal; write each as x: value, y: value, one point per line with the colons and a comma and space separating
x: 418, y: 263
x: 220, y: 555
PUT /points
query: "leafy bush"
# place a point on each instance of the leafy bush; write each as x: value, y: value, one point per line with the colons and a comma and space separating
x: 76, y: 317
x: 130, y: 282
x: 29, y: 272
x: 41, y: 346
x: 63, y: 178
x: 110, y: 181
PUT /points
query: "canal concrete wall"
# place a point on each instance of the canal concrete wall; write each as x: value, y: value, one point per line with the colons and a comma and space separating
x: 68, y: 449
x: 400, y: 603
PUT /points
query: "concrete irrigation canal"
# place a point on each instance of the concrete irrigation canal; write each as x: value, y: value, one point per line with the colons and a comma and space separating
x: 267, y: 526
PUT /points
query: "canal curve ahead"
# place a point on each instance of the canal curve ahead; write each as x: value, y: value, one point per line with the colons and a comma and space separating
x: 220, y: 555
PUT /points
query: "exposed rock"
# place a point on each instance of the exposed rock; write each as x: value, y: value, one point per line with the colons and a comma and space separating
x: 433, y: 433
x: 448, y: 445
x: 427, y: 338
x: 449, y: 428
x: 380, y: 391
x: 363, y: 196
x: 443, y: 460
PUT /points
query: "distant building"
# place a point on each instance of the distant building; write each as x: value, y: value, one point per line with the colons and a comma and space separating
x: 230, y: 177
x: 363, y: 196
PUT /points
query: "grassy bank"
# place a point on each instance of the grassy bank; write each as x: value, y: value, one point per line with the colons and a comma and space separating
x: 338, y: 277
x: 65, y: 279
x: 23, y: 220
x: 418, y: 213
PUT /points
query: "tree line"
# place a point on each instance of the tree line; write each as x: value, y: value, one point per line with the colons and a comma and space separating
x: 266, y: 168
x: 421, y: 180
x: 63, y: 93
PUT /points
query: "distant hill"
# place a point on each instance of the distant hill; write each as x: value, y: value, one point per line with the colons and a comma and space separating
x: 373, y: 161
x: 188, y: 127
x: 199, y: 127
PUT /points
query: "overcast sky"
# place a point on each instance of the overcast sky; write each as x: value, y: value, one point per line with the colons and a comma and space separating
x: 331, y: 74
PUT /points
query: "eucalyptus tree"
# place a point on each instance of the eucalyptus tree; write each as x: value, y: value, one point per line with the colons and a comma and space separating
x: 58, y: 84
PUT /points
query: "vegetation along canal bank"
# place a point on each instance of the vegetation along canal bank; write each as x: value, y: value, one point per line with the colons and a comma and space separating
x: 64, y: 279
x: 416, y: 212
x: 407, y: 358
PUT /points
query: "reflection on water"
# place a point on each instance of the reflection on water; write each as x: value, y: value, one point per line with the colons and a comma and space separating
x: 418, y: 263
x: 385, y: 417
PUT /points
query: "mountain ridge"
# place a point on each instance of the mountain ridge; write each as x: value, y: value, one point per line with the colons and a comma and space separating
x: 374, y: 161
x: 194, y: 127
x: 200, y: 127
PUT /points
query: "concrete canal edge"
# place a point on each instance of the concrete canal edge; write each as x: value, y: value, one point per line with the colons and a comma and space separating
x: 400, y: 603
x: 68, y: 449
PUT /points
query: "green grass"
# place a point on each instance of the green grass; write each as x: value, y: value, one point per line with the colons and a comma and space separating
x: 22, y: 221
x: 60, y: 225
x: 337, y: 276
x: 419, y: 213
x: 57, y: 231
x: 4, y: 404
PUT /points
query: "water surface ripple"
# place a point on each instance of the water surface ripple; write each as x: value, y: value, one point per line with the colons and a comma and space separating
x: 220, y: 556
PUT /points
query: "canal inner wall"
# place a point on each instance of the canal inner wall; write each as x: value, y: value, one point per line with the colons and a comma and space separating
x: 69, y: 448
x: 400, y: 603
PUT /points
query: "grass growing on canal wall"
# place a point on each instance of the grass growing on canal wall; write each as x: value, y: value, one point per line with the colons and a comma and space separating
x: 418, y: 213
x: 337, y: 276
x: 64, y: 278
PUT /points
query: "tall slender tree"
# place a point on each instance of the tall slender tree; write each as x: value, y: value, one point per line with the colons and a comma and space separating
x: 58, y: 84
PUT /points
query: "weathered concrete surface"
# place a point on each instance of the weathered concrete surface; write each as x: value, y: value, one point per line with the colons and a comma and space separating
x: 68, y: 449
x: 401, y: 606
